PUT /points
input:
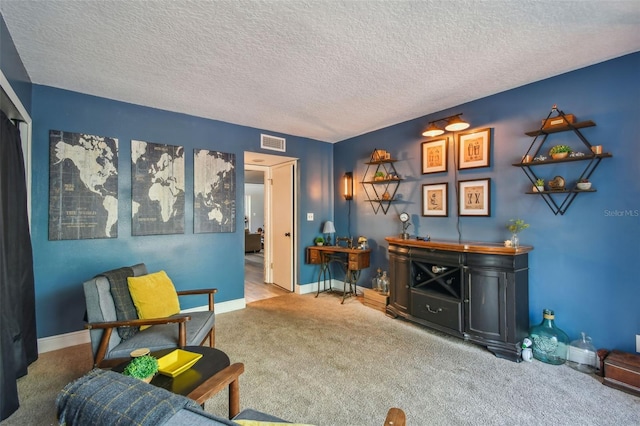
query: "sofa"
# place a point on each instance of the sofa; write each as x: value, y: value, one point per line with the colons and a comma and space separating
x: 252, y: 242
x: 104, y: 397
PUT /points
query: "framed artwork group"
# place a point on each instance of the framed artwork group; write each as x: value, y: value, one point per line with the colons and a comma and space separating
x: 472, y: 150
x: 83, y: 188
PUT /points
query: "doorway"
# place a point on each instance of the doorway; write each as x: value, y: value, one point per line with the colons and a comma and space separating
x: 270, y: 194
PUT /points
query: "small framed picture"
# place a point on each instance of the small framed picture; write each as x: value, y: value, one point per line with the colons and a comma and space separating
x: 434, y: 199
x: 475, y: 197
x: 434, y: 156
x: 474, y: 149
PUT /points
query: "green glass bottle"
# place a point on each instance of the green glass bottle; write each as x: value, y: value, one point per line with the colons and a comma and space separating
x: 549, y: 342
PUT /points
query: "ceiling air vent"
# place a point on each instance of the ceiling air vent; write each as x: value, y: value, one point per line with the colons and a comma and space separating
x: 273, y: 143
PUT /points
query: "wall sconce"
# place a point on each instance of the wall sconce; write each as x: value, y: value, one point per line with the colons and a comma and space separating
x: 347, y: 186
x: 454, y: 124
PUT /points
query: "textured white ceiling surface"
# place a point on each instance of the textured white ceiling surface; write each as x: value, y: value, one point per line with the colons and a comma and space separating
x: 327, y: 70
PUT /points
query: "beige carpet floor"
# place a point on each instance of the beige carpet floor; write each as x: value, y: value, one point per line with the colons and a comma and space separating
x: 313, y: 360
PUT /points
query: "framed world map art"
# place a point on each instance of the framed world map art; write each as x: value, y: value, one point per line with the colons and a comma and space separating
x: 214, y: 191
x: 83, y: 186
x: 157, y: 188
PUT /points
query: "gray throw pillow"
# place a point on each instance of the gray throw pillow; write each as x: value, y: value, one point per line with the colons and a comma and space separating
x: 125, y: 309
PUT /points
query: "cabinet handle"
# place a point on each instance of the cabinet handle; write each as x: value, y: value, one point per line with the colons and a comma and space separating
x: 432, y: 311
x: 438, y: 269
x: 466, y: 300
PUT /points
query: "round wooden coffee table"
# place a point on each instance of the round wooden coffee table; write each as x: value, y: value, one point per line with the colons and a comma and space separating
x: 212, y: 373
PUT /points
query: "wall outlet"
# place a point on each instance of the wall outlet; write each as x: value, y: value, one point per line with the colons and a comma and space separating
x: 637, y: 342
x: 309, y: 217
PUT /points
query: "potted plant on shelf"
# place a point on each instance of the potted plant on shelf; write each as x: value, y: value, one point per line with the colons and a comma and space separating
x: 515, y: 226
x: 583, y: 184
x: 319, y: 241
x: 559, y: 151
x: 539, y: 186
x: 143, y: 368
x: 379, y: 176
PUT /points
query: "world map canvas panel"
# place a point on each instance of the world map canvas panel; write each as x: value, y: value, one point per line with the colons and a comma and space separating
x: 214, y: 187
x: 83, y: 186
x: 157, y: 188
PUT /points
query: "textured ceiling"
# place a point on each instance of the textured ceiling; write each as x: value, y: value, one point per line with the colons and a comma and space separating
x: 326, y: 70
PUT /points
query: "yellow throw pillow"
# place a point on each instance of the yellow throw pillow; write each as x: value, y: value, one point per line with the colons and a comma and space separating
x: 154, y: 296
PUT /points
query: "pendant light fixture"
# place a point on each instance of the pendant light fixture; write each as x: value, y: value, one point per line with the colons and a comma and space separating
x: 454, y: 124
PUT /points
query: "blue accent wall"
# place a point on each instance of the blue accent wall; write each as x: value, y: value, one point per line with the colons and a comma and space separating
x: 585, y: 263
x: 191, y: 260
x: 12, y: 67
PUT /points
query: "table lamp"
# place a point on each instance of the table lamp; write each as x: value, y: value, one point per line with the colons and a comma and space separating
x: 328, y: 229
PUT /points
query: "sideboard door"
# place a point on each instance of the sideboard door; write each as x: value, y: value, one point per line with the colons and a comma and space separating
x: 485, y: 304
x: 400, y: 277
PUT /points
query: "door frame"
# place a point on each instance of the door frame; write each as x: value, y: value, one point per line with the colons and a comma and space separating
x: 268, y: 216
x: 12, y: 106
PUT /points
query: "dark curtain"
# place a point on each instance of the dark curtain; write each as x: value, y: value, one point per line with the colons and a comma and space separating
x: 18, y: 338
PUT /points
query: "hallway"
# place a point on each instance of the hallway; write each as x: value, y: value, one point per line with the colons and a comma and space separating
x: 254, y: 286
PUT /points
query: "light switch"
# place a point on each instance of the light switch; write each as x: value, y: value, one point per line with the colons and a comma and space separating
x: 309, y: 217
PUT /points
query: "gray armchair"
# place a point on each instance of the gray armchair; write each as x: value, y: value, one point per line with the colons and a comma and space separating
x: 104, y: 317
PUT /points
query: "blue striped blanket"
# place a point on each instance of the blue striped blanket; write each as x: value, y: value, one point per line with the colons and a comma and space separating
x: 103, y: 397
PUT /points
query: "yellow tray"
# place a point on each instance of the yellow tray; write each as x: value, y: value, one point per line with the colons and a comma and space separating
x: 176, y: 362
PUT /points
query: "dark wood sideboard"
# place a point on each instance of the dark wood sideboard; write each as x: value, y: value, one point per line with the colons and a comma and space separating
x: 476, y: 291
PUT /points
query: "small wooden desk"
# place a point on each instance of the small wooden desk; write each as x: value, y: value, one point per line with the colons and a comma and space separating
x: 352, y: 260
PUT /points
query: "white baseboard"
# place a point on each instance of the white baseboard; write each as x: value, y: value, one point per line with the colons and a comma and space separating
x: 221, y: 307
x: 337, y: 285
x: 61, y: 341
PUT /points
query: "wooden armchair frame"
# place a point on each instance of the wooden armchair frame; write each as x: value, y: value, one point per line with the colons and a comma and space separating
x: 180, y: 320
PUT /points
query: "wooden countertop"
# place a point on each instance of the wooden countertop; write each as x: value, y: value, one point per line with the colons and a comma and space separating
x: 463, y: 247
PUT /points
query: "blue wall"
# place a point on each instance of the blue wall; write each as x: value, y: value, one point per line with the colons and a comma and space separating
x: 191, y: 260
x: 585, y: 263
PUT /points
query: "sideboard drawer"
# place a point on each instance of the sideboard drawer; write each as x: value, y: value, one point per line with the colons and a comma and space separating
x: 437, y: 257
x: 432, y: 307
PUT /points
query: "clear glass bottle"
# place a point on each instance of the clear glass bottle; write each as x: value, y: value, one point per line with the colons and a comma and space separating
x: 549, y: 342
x: 375, y: 282
x: 582, y: 354
x: 384, y: 283
x: 515, y: 240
